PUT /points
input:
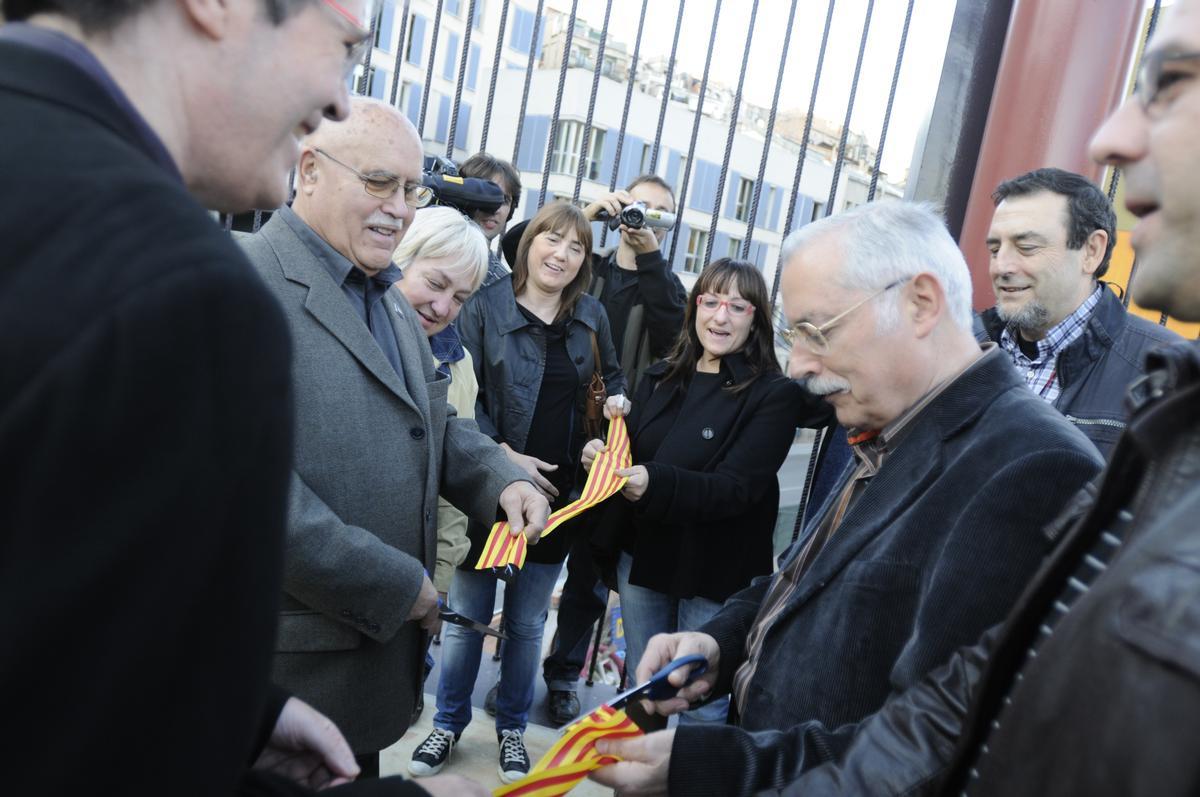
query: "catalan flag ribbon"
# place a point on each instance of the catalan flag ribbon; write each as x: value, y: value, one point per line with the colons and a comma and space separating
x: 573, y: 755
x: 503, y: 550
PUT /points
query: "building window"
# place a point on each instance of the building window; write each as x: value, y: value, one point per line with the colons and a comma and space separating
x: 693, y: 261
x: 818, y: 211
x: 568, y: 148
x: 644, y: 164
x: 376, y: 82
x: 416, y: 39
x: 402, y: 98
x: 452, y: 7
x: 735, y: 248
x: 745, y: 196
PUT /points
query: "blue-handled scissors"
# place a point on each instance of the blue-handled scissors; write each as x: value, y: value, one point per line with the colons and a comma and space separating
x: 658, y: 687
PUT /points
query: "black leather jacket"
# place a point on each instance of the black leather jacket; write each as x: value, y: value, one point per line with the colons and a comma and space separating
x: 509, y: 355
x: 1096, y: 369
x: 1111, y: 705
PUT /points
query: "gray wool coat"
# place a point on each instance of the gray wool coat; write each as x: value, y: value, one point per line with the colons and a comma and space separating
x: 373, y: 450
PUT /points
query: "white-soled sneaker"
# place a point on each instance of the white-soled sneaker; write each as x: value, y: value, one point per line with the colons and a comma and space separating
x: 514, y: 758
x: 432, y: 754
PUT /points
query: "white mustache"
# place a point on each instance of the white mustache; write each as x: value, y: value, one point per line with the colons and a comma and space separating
x: 824, y: 385
x: 381, y: 219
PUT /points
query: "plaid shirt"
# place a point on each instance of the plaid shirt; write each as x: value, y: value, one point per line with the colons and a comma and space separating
x: 1041, y: 374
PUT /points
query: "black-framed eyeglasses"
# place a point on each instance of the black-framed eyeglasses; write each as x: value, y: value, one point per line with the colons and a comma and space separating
x: 1158, y: 72
x: 813, y: 337
x: 416, y: 195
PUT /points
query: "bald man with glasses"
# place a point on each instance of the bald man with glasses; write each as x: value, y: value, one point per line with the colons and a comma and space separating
x: 375, y: 440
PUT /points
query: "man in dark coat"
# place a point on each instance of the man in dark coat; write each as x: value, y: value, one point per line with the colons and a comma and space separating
x: 145, y: 409
x: 931, y: 535
x: 1067, y: 332
x: 1092, y: 685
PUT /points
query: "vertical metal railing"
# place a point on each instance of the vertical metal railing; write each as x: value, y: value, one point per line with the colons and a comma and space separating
x: 585, y: 149
x: 537, y: 22
x: 433, y: 41
x: 841, y: 153
x: 400, y: 42
x: 631, y: 79
x: 804, y: 139
x: 733, y: 119
x: 462, y: 73
x: 670, y: 78
x: 683, y: 188
x: 487, y: 114
x: 766, y: 151
x: 887, y: 114
x: 558, y: 95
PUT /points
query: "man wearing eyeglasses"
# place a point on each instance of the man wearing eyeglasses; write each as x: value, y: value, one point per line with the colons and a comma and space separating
x: 932, y: 534
x: 375, y: 442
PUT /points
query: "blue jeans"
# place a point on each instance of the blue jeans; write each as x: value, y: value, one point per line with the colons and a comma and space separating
x: 526, y: 607
x: 646, y: 612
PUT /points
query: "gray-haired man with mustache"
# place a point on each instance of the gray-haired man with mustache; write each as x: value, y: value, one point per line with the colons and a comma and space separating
x: 375, y: 440
x: 933, y: 531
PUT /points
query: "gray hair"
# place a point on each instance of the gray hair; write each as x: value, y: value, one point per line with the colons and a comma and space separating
x: 889, y: 240
x: 444, y: 232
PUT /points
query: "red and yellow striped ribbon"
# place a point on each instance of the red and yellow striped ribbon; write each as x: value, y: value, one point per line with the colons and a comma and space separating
x: 503, y: 549
x: 573, y: 755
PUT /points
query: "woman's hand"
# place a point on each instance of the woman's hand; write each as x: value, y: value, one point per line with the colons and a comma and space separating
x: 533, y: 468
x: 588, y: 455
x: 616, y: 406
x: 639, y: 480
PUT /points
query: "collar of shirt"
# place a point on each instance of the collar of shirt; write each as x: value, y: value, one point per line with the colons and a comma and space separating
x: 79, y: 56
x: 339, y: 268
x: 872, y: 449
x: 447, y: 348
x: 1057, y: 338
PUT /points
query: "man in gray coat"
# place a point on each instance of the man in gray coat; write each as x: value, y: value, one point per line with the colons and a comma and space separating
x: 375, y: 439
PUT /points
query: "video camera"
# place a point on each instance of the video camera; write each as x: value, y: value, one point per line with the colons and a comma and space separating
x: 636, y: 215
x: 465, y: 194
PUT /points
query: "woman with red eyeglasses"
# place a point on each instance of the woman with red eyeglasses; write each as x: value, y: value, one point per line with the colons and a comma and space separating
x: 711, y: 425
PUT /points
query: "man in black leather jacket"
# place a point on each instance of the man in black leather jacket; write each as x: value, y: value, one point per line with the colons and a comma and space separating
x: 1092, y: 686
x: 1067, y: 332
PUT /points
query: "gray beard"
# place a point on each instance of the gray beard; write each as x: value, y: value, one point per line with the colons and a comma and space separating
x: 1032, y: 318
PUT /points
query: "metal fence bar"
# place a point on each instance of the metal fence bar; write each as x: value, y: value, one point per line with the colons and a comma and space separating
x: 687, y: 167
x: 812, y: 104
x: 1112, y: 189
x: 887, y: 114
x: 399, y: 55
x: 841, y: 156
x: 562, y: 82
x: 733, y: 117
x: 487, y: 114
x: 437, y: 24
x: 366, y: 64
x: 662, y: 111
x: 587, y: 125
x: 762, y: 164
x: 537, y: 26
x: 462, y: 74
x: 633, y: 64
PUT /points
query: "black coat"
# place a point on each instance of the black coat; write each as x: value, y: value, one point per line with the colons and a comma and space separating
x: 704, y: 525
x: 933, y: 552
x: 145, y: 429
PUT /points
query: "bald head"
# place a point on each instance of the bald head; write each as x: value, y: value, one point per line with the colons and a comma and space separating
x: 375, y: 143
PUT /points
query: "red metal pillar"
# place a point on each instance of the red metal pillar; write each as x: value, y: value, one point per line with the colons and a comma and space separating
x: 1063, y: 70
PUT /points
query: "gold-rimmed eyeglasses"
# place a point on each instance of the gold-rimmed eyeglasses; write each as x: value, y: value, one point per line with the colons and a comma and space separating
x: 813, y: 337
x: 380, y: 186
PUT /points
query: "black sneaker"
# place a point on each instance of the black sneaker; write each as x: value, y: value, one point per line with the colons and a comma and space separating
x: 514, y: 758
x: 433, y: 753
x: 489, y: 702
x: 562, y: 706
